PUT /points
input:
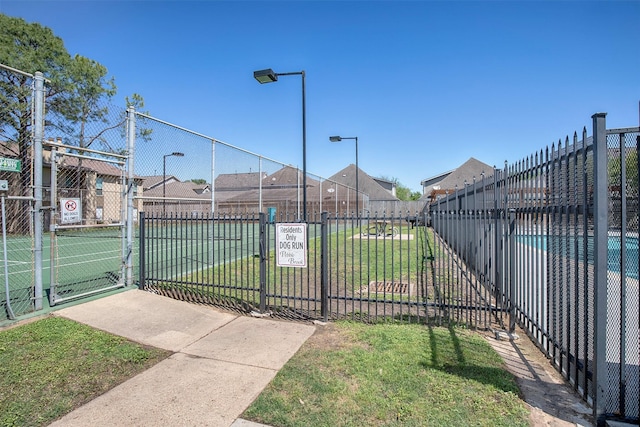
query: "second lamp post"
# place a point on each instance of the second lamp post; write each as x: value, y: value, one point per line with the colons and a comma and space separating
x: 164, y: 178
x: 338, y: 139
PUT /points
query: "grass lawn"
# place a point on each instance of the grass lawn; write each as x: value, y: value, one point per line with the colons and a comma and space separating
x: 346, y: 374
x: 51, y: 366
x: 351, y: 374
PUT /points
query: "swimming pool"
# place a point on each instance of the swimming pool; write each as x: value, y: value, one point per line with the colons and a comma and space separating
x: 614, y: 250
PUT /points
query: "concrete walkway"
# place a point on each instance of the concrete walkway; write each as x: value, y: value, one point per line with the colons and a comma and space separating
x: 221, y: 361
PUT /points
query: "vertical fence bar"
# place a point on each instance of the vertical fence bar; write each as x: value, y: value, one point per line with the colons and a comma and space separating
x: 576, y: 262
x: 512, y: 270
x: 600, y: 257
x: 324, y: 267
x: 622, y: 378
x: 263, y: 261
x: 585, y: 268
x: 53, y: 189
x: 142, y: 252
x: 131, y: 140
x: 38, y: 135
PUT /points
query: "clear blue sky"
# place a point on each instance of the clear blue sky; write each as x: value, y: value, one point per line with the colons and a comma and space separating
x: 425, y: 85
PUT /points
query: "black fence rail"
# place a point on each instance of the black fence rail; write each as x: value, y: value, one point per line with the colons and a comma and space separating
x: 368, y: 269
x: 554, y: 239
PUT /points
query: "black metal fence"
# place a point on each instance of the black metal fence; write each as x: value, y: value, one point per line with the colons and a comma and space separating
x: 555, y: 239
x: 367, y: 269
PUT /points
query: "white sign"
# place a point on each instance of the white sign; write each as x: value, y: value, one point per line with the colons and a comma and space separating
x: 70, y: 211
x: 291, y: 245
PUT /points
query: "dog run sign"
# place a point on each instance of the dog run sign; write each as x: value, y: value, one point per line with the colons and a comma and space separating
x: 291, y: 244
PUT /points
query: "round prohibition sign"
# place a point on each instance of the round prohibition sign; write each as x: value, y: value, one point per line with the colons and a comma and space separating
x: 70, y: 205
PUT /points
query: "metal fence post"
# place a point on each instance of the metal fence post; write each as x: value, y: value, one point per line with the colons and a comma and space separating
x: 37, y: 176
x: 512, y: 270
x: 53, y: 287
x: 263, y: 262
x: 324, y: 266
x: 142, y: 249
x: 131, y: 141
x: 600, y: 263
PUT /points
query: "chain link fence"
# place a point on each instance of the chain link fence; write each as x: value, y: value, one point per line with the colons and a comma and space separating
x: 16, y: 190
x: 186, y: 172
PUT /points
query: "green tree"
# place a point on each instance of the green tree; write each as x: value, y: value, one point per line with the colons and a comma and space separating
x: 199, y: 181
x: 84, y: 100
x: 403, y: 192
x: 78, y: 89
x: 615, y: 171
x: 78, y: 92
x: 29, y: 48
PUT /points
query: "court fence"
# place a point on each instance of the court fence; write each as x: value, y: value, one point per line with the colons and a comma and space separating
x: 555, y: 238
x: 66, y: 187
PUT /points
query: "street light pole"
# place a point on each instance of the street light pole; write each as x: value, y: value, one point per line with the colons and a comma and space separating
x: 269, y: 76
x: 164, y: 178
x: 338, y: 139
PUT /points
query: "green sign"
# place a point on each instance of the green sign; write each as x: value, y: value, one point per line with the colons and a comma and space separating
x: 10, y: 165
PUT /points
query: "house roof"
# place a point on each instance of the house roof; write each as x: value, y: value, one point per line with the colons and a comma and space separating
x: 469, y: 170
x: 286, y: 177
x: 435, y: 179
x: 236, y: 181
x: 178, y: 189
x: 98, y: 166
x: 366, y: 184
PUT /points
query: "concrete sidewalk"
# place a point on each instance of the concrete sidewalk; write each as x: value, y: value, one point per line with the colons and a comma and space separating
x: 221, y: 361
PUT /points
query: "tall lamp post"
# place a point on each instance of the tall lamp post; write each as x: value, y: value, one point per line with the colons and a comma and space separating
x: 164, y: 178
x: 270, y: 76
x: 338, y: 139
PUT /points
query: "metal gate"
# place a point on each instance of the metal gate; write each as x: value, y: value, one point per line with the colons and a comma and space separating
x: 87, y: 221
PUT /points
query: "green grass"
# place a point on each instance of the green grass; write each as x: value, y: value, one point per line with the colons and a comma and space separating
x: 354, y: 262
x: 392, y: 375
x: 51, y: 366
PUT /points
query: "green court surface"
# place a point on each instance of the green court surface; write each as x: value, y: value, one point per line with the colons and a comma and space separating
x: 89, y: 260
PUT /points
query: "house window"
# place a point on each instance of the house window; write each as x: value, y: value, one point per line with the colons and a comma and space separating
x: 98, y: 186
x: 99, y: 213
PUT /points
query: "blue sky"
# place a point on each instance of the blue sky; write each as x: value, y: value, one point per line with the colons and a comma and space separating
x: 425, y: 85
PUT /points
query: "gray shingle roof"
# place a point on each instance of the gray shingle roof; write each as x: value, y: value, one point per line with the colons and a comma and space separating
x: 366, y: 184
x: 465, y: 172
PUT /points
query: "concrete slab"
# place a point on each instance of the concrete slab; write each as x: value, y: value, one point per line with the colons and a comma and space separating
x: 149, y: 319
x: 222, y: 362
x: 255, y: 342
x: 179, y: 391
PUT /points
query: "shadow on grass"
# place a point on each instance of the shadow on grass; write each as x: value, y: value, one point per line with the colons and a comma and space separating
x: 487, y: 374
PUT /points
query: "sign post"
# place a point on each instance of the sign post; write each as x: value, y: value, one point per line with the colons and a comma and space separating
x: 291, y: 244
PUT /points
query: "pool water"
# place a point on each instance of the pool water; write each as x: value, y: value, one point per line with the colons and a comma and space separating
x: 614, y: 250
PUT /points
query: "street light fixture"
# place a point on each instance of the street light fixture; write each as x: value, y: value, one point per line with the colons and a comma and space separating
x: 164, y: 177
x: 338, y: 139
x: 270, y: 76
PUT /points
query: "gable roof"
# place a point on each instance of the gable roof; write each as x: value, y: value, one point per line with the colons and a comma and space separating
x: 237, y: 181
x: 366, y: 184
x: 470, y: 169
x: 179, y: 189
